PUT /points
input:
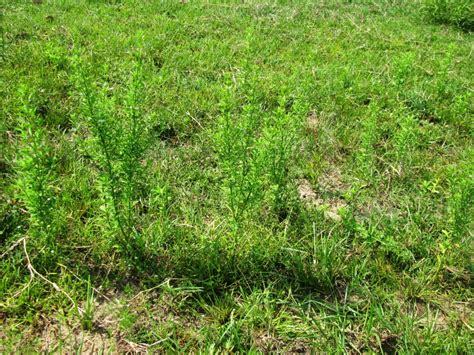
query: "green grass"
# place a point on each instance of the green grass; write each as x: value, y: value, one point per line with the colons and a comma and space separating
x: 236, y: 176
x: 459, y: 13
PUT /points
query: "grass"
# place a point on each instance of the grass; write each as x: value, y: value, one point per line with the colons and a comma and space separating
x: 235, y: 177
x: 459, y: 13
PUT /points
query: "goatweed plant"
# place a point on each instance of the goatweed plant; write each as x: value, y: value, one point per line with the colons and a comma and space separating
x: 255, y: 153
x: 461, y: 200
x: 35, y: 171
x: 404, y: 141
x: 252, y: 177
x: 366, y: 154
x: 2, y: 35
x: 134, y: 145
x: 121, y: 141
x: 277, y: 146
x: 97, y: 114
x: 403, y: 69
x: 237, y: 155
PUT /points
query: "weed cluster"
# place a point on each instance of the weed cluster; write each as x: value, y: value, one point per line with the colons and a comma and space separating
x: 254, y: 154
x: 119, y: 145
x: 36, y: 179
x: 171, y: 185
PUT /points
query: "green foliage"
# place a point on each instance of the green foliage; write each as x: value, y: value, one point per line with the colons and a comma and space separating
x: 240, y: 177
x: 35, y: 171
x: 255, y: 156
x: 459, y: 13
x: 121, y: 143
x: 278, y: 144
x: 88, y: 313
x: 461, y: 199
x: 239, y: 162
x: 366, y: 155
x: 404, y: 142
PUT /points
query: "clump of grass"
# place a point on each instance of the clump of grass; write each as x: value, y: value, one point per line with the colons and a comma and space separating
x: 88, y: 312
x: 459, y: 13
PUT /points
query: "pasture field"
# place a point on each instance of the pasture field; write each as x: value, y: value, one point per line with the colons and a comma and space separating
x: 236, y: 176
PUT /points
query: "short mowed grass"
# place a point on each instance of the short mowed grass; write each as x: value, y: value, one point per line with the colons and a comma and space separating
x: 239, y: 176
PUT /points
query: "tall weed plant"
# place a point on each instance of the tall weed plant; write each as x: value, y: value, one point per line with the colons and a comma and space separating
x: 235, y: 140
x: 277, y: 146
x: 254, y: 152
x: 120, y: 141
x: 404, y: 141
x: 35, y: 170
